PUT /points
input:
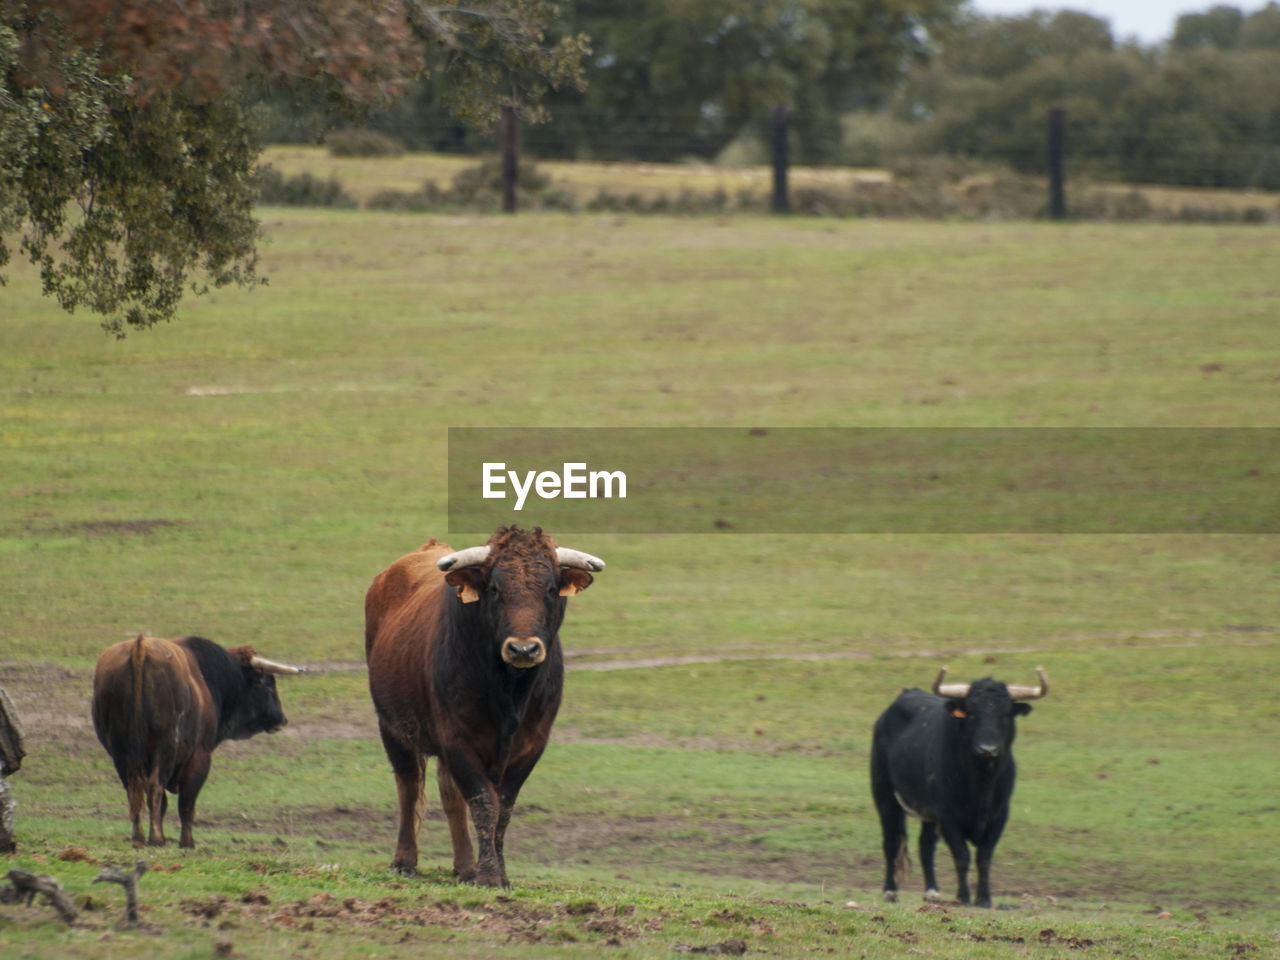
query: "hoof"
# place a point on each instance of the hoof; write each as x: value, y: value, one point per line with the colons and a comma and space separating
x: 891, y: 896
x: 404, y: 870
x: 932, y: 896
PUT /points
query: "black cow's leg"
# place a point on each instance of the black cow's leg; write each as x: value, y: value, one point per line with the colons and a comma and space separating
x: 893, y: 827
x: 985, y: 853
x: 483, y: 804
x: 960, y: 853
x: 455, y: 811
x: 409, y: 767
x: 190, y: 782
x: 928, y: 844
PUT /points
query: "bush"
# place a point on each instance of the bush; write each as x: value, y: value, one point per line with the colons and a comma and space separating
x: 425, y: 200
x: 362, y: 143
x: 302, y: 190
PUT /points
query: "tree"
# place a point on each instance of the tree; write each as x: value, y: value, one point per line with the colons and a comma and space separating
x: 127, y: 158
x: 1216, y: 27
x: 669, y: 79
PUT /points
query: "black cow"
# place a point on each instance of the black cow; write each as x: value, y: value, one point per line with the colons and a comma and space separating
x: 465, y: 665
x: 946, y: 757
x: 161, y: 706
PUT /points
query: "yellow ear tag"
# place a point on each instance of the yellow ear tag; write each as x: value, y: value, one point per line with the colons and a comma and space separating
x: 468, y: 594
x: 958, y: 713
x: 568, y: 590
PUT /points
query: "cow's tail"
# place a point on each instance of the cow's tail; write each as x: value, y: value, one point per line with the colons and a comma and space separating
x: 137, y: 745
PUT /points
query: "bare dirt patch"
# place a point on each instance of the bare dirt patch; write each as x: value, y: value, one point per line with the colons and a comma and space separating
x: 502, y: 916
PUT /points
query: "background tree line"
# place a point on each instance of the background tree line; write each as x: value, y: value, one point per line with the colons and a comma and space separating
x: 870, y: 83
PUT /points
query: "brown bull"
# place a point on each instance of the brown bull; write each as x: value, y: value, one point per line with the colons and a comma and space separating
x: 160, y: 707
x: 465, y: 665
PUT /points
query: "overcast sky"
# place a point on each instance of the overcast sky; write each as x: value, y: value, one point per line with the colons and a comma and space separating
x: 1150, y: 20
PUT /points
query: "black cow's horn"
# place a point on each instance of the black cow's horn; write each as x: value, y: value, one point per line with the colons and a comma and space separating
x: 470, y: 557
x: 576, y: 558
x: 270, y: 666
x: 949, y: 689
x: 1030, y: 693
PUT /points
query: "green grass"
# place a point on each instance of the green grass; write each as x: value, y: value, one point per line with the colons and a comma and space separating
x: 244, y: 472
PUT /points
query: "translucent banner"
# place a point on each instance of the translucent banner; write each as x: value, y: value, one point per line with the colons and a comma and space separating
x: 866, y: 480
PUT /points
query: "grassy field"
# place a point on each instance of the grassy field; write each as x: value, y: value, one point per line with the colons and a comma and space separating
x: 363, y: 177
x: 244, y: 472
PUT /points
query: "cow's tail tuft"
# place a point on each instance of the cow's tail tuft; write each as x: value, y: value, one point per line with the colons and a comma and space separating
x: 902, y: 862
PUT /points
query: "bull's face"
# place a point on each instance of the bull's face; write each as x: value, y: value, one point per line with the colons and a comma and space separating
x: 987, y: 715
x: 260, y: 709
x: 520, y: 590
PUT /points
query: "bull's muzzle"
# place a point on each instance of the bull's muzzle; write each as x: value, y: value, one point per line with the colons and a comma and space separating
x: 523, y: 652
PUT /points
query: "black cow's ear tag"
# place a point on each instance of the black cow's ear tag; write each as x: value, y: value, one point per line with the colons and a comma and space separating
x: 467, y: 593
x: 958, y: 713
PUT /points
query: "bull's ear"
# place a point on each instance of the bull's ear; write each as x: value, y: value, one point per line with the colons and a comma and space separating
x: 467, y: 581
x: 573, y: 580
x: 1021, y: 709
x: 956, y: 709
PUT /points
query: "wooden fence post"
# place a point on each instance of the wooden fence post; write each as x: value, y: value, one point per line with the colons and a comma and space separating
x: 510, y: 160
x: 1057, y: 166
x: 778, y: 143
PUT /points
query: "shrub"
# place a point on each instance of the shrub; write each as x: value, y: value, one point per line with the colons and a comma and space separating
x: 362, y: 143
x: 301, y: 190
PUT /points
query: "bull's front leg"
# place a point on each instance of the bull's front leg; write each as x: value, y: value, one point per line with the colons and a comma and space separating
x: 984, y: 876
x: 455, y: 811
x: 484, y: 807
x: 928, y: 844
x: 409, y: 767
x: 190, y: 784
x: 516, y: 774
x: 960, y: 854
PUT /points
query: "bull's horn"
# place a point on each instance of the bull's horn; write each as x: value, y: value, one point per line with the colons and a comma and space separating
x: 270, y: 666
x: 470, y: 557
x: 949, y: 689
x: 1030, y: 693
x: 576, y: 558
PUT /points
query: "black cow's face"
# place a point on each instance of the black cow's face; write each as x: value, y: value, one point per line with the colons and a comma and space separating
x: 520, y: 593
x: 987, y: 714
x: 260, y: 710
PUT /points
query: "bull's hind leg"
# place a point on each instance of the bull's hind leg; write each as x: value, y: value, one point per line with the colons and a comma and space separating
x: 455, y: 811
x: 409, y: 767
x: 157, y: 805
x: 137, y: 792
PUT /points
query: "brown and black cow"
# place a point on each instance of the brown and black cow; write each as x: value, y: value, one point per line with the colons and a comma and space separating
x: 160, y: 707
x: 465, y: 666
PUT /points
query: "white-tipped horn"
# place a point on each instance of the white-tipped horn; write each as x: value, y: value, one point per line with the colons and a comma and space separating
x: 270, y: 666
x: 470, y: 557
x: 1030, y: 693
x: 949, y: 689
x: 576, y: 558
